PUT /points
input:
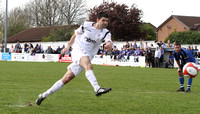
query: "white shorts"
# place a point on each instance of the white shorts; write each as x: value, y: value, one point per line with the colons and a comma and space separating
x: 77, y: 53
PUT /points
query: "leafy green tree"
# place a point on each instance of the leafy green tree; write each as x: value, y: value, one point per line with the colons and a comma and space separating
x: 149, y: 30
x: 188, y: 37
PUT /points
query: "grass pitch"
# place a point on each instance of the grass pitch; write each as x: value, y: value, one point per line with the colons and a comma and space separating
x: 134, y: 90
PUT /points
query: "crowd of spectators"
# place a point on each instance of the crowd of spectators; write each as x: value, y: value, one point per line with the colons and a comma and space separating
x: 153, y: 53
x: 135, y: 50
x: 38, y: 48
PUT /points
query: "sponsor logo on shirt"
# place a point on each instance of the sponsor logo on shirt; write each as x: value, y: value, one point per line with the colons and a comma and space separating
x: 90, y: 40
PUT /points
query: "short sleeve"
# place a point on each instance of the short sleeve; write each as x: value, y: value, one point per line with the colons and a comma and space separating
x: 80, y: 30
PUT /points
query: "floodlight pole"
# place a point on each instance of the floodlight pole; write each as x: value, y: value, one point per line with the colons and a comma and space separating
x: 6, y: 26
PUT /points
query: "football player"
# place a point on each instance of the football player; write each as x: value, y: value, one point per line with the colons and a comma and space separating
x: 182, y: 56
x: 86, y: 42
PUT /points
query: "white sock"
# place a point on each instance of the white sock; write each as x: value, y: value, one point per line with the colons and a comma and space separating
x: 58, y: 85
x: 92, y: 79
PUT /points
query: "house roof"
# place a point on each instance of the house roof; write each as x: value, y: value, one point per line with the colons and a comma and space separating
x: 190, y: 22
x: 35, y: 34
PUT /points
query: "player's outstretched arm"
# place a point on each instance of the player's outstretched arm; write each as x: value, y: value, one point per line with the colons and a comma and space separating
x: 70, y: 43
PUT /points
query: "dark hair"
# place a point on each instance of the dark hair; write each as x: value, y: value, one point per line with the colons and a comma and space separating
x: 177, y: 44
x: 102, y: 14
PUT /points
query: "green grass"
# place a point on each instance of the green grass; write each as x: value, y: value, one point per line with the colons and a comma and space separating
x: 134, y: 90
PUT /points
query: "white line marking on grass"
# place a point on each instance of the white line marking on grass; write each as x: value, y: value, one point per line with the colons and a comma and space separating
x: 16, y: 106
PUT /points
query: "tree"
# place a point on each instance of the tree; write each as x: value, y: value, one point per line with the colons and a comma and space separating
x: 56, y: 12
x: 2, y: 20
x: 17, y: 21
x: 124, y: 22
x: 188, y: 37
x: 44, y: 12
x: 2, y: 26
x: 149, y: 30
x: 73, y: 11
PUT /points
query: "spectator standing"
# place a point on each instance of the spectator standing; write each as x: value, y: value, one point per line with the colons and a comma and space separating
x: 192, y: 51
x: 164, y: 45
x: 142, y: 52
x: 148, y: 57
x: 135, y: 45
x: 127, y: 45
x: 162, y: 55
x: 146, y: 46
x: 195, y: 50
x: 141, y: 45
x: 153, y: 59
x: 17, y: 46
x: 41, y: 48
x: 157, y: 57
x: 159, y: 43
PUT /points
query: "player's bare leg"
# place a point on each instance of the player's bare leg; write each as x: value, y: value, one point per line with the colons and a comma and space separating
x: 87, y: 65
x: 57, y: 86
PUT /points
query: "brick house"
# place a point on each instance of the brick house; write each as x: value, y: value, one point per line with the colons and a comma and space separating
x: 177, y: 23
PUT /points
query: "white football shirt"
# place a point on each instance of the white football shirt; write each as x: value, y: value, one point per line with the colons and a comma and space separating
x: 89, y: 38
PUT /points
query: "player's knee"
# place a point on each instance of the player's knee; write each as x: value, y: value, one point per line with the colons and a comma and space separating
x: 67, y: 79
x: 88, y: 67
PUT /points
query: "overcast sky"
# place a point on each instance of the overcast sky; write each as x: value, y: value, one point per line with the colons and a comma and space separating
x: 154, y: 11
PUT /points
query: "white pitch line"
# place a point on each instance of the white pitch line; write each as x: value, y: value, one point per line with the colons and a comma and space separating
x: 16, y: 106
